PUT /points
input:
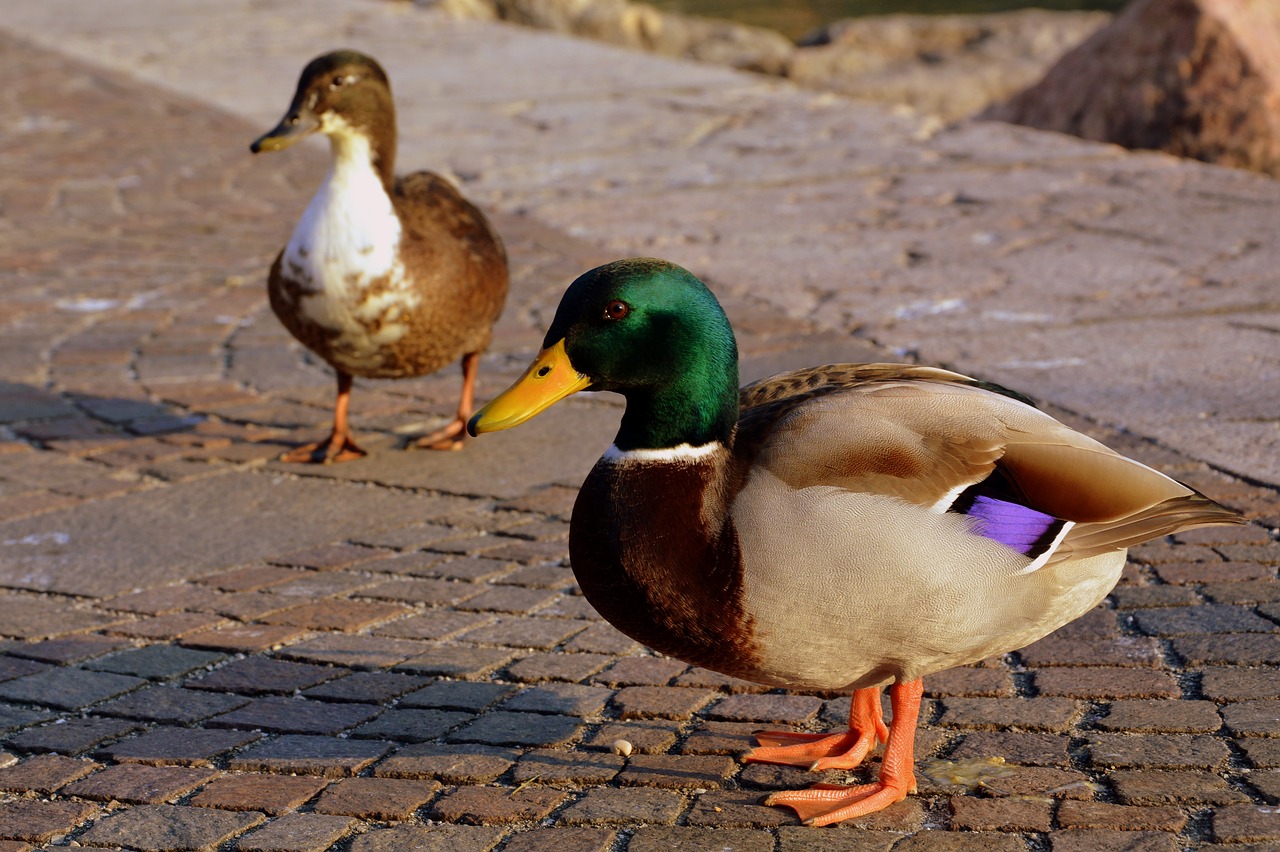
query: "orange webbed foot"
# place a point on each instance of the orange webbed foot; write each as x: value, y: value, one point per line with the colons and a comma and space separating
x: 449, y: 437
x: 817, y: 752
x: 824, y: 804
x: 329, y: 451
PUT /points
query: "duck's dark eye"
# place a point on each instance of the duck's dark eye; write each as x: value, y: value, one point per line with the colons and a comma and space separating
x: 616, y: 310
x: 337, y: 82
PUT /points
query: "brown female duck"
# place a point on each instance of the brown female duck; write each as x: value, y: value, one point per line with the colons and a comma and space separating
x: 383, y: 277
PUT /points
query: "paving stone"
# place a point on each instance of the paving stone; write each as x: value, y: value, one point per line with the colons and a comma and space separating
x: 458, y: 695
x: 1035, y: 714
x: 137, y: 784
x: 1253, y: 718
x: 472, y: 569
x: 1212, y: 572
x: 1025, y: 748
x: 1240, y: 649
x: 767, y: 776
x: 388, y: 799
x: 337, y: 615
x: 327, y: 557
x: 519, y: 729
x: 245, y: 638
x: 640, y: 671
x: 354, y: 652
x: 1173, y: 787
x: 69, y: 650
x: 1266, y: 783
x: 249, y: 579
x: 602, y: 639
x: 437, y: 624
x: 1261, y: 753
x: 173, y: 625
x: 178, y: 746
x: 1246, y: 823
x: 156, y: 662
x: 973, y: 814
x: 540, y: 633
x: 262, y: 676
x: 665, y: 838
x: 170, y: 705
x: 1102, y: 840
x: 780, y: 709
x: 1059, y: 650
x: 1207, y: 618
x: 457, y: 661
x: 293, y: 754
x: 296, y: 716
x: 367, y: 687
x: 842, y: 839
x: 1161, y: 716
x: 296, y: 833
x: 436, y: 838
x: 569, y: 699
x: 1244, y: 592
x: 12, y: 667
x: 568, y: 667
x: 452, y: 764
x: 571, y: 606
x: 677, y: 772
x: 736, y: 809
x: 1157, y: 751
x: 427, y: 592
x: 542, y: 576
x: 1137, y: 597
x: 67, y: 688
x: 558, y: 766
x: 721, y: 738
x: 1103, y: 815
x: 40, y: 821
x: 44, y: 773
x: 70, y: 736
x: 561, y: 840
x: 411, y: 726
x: 271, y: 794
x: 496, y: 805
x: 158, y: 828
x: 1239, y: 684
x: 660, y: 702
x: 612, y: 806
x: 971, y: 682
x: 645, y: 737
x: 1104, y: 683
x: 515, y: 599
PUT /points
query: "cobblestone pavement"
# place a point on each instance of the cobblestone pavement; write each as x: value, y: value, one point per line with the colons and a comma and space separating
x: 204, y: 649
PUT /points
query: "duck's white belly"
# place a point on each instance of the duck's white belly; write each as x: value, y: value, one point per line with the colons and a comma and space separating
x: 343, y: 258
x: 852, y: 590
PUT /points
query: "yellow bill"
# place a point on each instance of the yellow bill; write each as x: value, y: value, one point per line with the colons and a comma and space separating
x: 549, y: 379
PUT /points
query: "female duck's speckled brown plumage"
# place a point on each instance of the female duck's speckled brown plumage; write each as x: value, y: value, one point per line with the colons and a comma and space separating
x: 841, y: 527
x: 383, y: 277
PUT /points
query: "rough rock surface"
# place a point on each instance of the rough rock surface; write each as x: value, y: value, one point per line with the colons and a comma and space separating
x: 950, y: 66
x: 641, y: 26
x: 1195, y: 78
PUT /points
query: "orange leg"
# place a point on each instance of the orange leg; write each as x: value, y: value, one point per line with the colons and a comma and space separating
x: 824, y: 804
x: 452, y: 434
x: 817, y: 752
x: 339, y: 446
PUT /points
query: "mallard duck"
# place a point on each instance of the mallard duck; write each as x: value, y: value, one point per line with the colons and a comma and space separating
x: 835, y: 528
x: 383, y: 277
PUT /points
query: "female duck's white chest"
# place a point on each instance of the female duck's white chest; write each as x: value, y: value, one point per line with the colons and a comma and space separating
x: 344, y: 261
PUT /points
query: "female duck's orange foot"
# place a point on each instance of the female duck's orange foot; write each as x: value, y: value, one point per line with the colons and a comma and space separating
x: 329, y: 451
x: 825, y: 804
x: 449, y: 437
x: 814, y: 752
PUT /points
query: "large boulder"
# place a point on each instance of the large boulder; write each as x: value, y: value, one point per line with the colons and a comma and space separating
x: 1195, y: 78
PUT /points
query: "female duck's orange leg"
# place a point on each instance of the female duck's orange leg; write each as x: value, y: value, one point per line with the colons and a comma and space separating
x: 824, y: 804
x: 816, y: 752
x: 339, y: 446
x: 451, y: 435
